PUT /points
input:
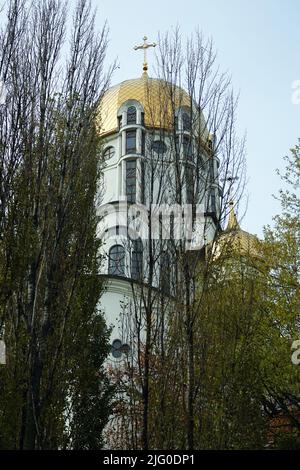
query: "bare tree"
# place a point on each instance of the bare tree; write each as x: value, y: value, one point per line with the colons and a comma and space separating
x: 192, y: 157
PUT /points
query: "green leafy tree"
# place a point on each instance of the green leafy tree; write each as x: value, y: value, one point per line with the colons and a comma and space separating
x: 282, y: 298
x: 53, y: 389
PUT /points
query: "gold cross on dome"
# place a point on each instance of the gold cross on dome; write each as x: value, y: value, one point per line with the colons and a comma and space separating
x: 145, y: 46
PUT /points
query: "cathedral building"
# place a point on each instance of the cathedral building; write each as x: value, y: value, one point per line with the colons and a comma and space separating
x: 161, y: 190
x: 161, y: 215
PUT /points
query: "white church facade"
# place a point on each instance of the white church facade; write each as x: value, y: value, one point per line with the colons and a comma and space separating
x: 159, y: 167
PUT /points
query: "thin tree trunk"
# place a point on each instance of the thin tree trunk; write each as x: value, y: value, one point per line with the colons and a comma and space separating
x: 191, y: 364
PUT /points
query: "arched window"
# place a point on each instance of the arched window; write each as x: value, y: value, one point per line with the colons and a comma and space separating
x: 131, y: 115
x: 186, y: 122
x: 116, y: 264
x: 137, y: 260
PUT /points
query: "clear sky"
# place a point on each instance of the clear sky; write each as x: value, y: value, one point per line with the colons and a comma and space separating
x: 258, y: 42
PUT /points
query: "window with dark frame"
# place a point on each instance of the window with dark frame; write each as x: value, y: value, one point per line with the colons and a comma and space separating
x: 109, y: 153
x: 177, y: 145
x: 165, y: 273
x: 131, y: 181
x: 172, y: 220
x: 143, y: 143
x: 189, y: 181
x: 131, y: 141
x: 137, y: 260
x: 131, y: 115
x: 142, y: 182
x: 116, y: 264
x: 213, y: 201
x: 186, y: 122
x: 176, y: 123
x: 118, y: 348
x: 159, y: 147
x: 187, y: 148
x: 211, y: 170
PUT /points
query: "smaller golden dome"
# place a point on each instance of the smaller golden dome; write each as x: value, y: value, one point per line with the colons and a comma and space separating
x: 235, y: 241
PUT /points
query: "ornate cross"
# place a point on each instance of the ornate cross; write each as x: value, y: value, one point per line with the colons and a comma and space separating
x: 231, y: 180
x: 145, y: 46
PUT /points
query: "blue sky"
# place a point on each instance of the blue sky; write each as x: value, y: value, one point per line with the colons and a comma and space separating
x: 258, y: 42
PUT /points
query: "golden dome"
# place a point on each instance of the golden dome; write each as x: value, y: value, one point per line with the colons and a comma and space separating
x: 153, y: 94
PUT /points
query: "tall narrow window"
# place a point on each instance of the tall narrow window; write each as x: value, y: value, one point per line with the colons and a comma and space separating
x: 187, y: 148
x: 142, y: 119
x: 165, y: 277
x: 176, y: 123
x: 137, y: 260
x: 211, y: 170
x: 116, y: 264
x: 177, y: 146
x: 189, y: 181
x: 172, y: 219
x: 131, y: 115
x: 142, y: 182
x: 130, y: 141
x: 143, y: 143
x: 131, y: 180
x: 213, y: 201
x: 186, y: 122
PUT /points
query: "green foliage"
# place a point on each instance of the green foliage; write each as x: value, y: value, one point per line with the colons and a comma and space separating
x: 286, y: 441
x: 281, y: 301
x: 54, y: 392
x: 245, y: 318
